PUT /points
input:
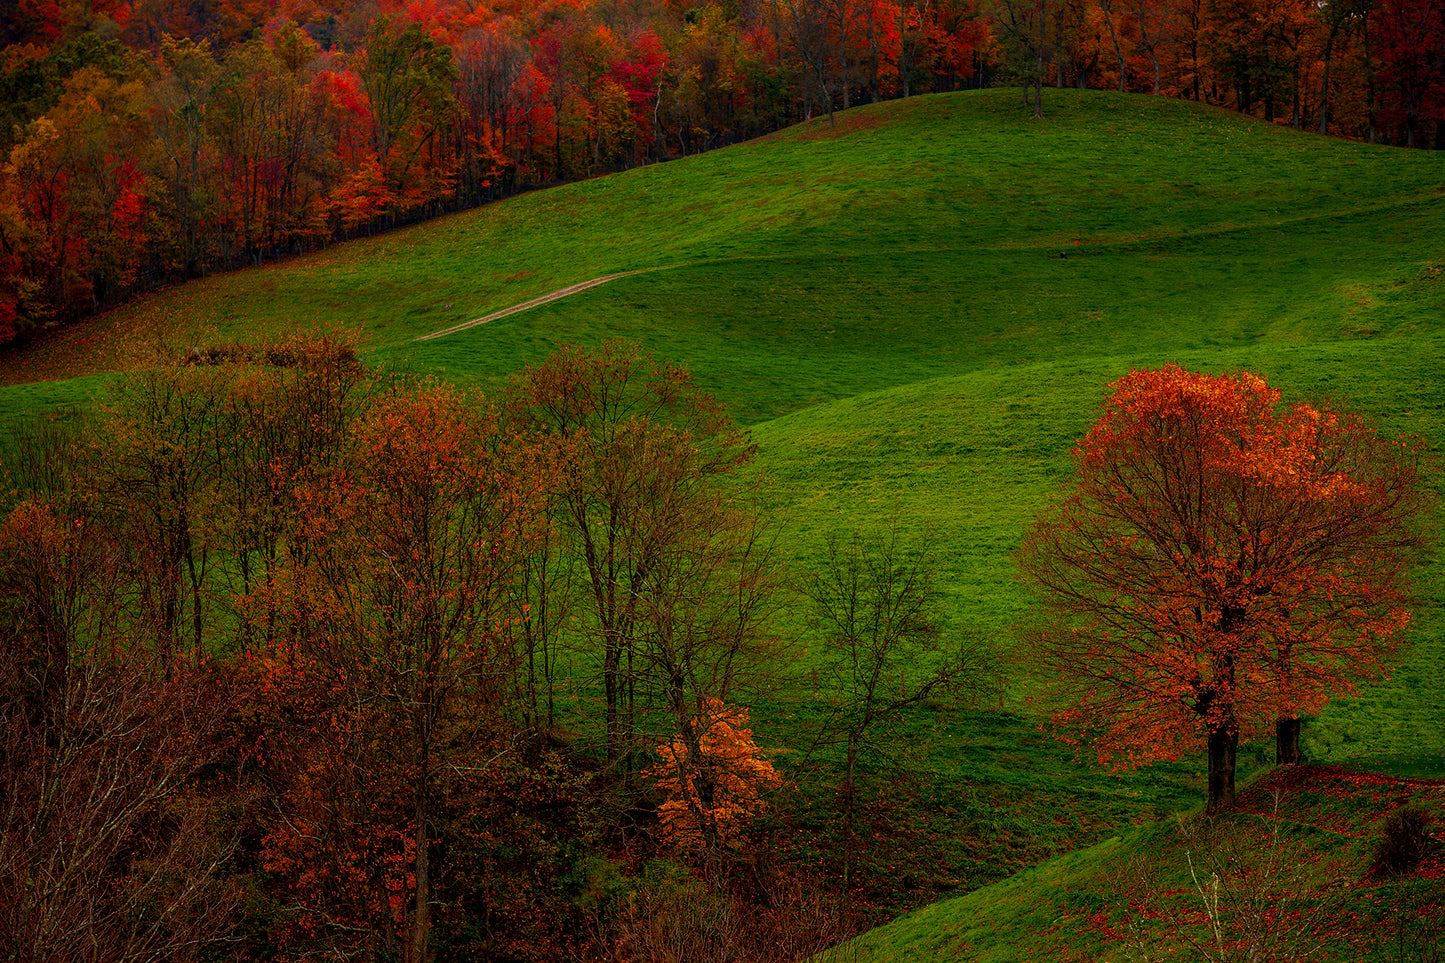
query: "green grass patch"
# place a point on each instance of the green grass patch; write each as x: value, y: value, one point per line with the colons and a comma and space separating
x: 1100, y: 902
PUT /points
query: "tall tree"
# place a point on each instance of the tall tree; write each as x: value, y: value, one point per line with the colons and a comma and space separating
x: 152, y: 474
x: 179, y: 100
x: 1026, y: 31
x: 873, y: 603
x: 1341, y: 18
x: 640, y: 449
x: 413, y: 542
x: 704, y: 635
x: 409, y: 80
x: 1224, y: 563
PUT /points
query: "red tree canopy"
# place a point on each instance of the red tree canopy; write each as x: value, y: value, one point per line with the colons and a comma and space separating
x: 1224, y: 562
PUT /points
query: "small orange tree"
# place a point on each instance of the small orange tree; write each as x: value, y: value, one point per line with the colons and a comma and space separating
x: 1224, y: 563
x: 712, y: 777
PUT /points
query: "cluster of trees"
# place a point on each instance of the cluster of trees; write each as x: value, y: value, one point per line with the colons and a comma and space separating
x: 1367, y: 69
x: 144, y: 143
x: 311, y: 658
x: 308, y: 658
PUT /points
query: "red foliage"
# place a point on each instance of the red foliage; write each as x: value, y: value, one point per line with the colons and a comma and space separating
x: 1412, y: 51
x: 1224, y: 562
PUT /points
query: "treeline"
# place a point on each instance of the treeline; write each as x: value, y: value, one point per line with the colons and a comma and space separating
x: 302, y: 661
x: 1370, y: 70
x: 148, y: 142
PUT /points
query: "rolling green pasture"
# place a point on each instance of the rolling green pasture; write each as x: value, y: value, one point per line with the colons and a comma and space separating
x: 1103, y: 902
x: 917, y: 312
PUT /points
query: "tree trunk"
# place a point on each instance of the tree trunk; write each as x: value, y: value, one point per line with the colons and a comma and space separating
x: 419, y: 943
x: 849, y: 802
x: 1039, y: 87
x: 1369, y: 80
x: 1286, y: 741
x: 1114, y: 37
x: 1325, y: 80
x: 1223, y: 745
x: 610, y: 658
x: 421, y: 924
x: 903, y: 67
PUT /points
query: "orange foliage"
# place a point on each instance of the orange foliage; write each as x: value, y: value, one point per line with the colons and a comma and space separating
x: 715, y: 787
x: 341, y: 851
x: 1224, y: 562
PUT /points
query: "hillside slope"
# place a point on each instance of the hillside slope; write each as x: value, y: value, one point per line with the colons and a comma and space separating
x: 915, y: 239
x: 1132, y: 893
x: 917, y: 312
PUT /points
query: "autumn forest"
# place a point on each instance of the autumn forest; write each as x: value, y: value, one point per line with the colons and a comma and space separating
x: 145, y: 143
x: 723, y: 482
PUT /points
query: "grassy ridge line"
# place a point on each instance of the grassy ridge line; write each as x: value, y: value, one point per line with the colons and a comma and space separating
x: 970, y: 170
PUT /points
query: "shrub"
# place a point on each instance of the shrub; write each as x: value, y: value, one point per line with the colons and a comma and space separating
x: 1404, y: 842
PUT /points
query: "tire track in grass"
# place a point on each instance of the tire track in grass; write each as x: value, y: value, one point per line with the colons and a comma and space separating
x: 537, y: 301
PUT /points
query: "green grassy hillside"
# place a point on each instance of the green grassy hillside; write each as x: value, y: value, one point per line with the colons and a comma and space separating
x: 917, y: 311
x: 915, y: 240
x: 1300, y: 846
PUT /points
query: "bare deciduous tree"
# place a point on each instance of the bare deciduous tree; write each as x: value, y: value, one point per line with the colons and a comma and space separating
x: 873, y: 603
x: 101, y: 857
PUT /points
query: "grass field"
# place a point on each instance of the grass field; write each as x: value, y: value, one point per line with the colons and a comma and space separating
x: 917, y: 312
x: 1135, y: 890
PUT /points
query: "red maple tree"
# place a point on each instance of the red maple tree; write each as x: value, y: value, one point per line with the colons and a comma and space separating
x: 1224, y: 565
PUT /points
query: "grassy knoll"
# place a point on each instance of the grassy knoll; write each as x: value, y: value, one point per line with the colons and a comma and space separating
x: 1134, y: 891
x: 929, y: 230
x: 917, y: 312
x: 968, y: 461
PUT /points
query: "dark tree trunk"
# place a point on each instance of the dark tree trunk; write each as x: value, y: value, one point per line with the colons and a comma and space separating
x: 1223, y: 745
x: 1114, y: 38
x: 611, y: 657
x: 849, y: 801
x: 1325, y: 80
x: 420, y: 950
x: 1369, y: 80
x: 1286, y: 741
x: 1039, y: 87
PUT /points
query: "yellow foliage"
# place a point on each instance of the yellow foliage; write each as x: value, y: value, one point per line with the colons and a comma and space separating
x: 730, y: 769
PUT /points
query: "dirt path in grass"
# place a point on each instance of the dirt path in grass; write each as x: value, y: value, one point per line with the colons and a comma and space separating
x: 551, y: 296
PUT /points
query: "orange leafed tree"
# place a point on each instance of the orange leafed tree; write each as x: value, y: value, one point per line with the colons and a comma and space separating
x: 713, y: 777
x: 412, y: 541
x: 1226, y: 564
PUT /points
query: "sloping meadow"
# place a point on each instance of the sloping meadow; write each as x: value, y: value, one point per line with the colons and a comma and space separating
x: 917, y: 311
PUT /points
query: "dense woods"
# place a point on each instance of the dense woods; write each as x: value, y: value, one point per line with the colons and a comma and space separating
x: 314, y: 660
x: 148, y: 142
